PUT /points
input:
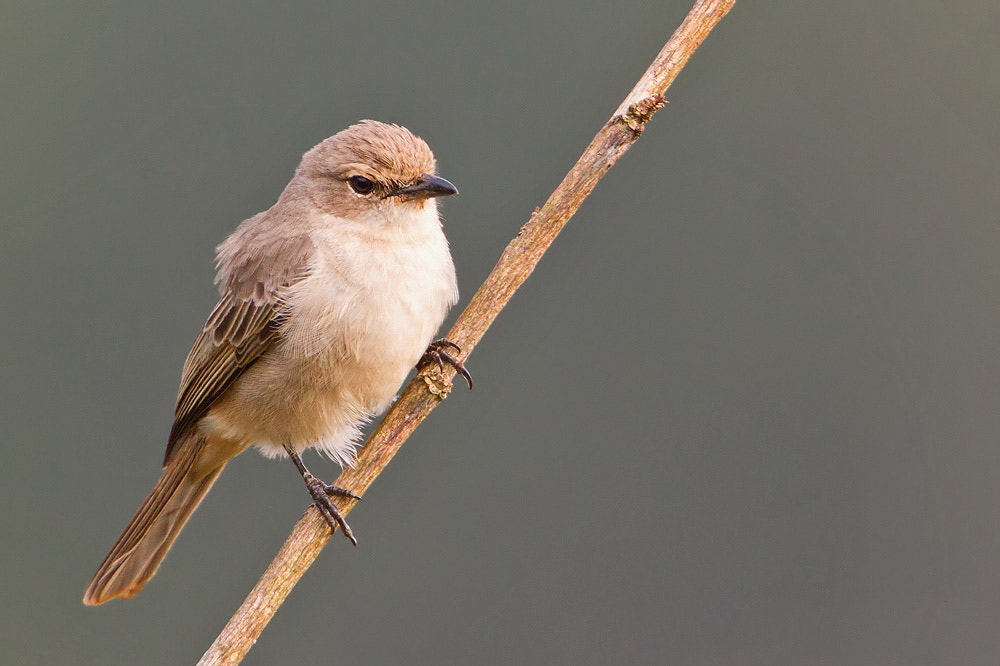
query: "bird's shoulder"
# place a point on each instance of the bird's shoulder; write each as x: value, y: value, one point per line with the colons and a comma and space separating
x: 267, y: 253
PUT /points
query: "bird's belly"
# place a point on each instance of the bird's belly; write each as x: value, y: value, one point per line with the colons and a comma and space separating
x: 319, y: 389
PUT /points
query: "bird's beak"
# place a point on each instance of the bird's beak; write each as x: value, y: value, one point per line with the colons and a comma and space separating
x: 425, y: 187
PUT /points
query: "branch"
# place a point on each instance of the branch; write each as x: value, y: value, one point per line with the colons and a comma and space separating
x: 431, y: 385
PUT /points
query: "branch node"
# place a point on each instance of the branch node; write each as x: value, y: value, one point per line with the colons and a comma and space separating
x: 640, y: 112
x: 436, y: 382
x: 526, y: 225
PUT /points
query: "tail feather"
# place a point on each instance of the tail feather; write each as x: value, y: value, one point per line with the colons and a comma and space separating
x: 142, y: 546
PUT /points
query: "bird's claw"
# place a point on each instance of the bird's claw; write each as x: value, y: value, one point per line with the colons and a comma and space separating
x: 321, y: 493
x: 436, y: 354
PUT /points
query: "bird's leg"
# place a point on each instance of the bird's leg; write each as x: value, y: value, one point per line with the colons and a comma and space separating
x: 321, y: 493
x: 436, y: 354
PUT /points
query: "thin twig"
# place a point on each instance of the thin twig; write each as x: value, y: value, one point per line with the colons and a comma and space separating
x: 431, y: 385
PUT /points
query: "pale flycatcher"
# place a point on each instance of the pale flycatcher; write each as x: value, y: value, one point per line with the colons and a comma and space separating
x: 329, y: 298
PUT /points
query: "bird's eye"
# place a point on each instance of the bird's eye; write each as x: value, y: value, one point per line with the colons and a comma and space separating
x: 361, y: 185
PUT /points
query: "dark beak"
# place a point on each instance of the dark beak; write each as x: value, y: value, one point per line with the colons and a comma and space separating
x: 425, y: 187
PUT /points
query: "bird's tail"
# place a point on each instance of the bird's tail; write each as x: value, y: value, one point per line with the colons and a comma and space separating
x: 145, y: 542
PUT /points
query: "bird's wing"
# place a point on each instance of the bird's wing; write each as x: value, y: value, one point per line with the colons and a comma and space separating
x: 244, y: 324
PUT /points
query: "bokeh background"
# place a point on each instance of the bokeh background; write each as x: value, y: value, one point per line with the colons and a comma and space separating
x: 746, y: 411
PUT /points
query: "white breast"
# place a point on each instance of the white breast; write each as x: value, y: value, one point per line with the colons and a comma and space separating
x: 358, y: 324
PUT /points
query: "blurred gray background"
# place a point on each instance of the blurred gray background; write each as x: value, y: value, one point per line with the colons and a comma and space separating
x: 746, y: 411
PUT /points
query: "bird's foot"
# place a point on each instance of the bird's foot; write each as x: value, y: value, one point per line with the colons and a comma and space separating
x: 436, y: 353
x: 321, y: 493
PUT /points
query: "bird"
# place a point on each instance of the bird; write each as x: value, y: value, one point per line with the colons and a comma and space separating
x: 327, y: 300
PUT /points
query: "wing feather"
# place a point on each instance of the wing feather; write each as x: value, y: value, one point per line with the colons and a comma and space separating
x: 243, y: 325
